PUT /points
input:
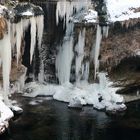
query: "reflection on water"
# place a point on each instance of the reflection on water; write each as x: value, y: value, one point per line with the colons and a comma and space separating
x: 52, y: 120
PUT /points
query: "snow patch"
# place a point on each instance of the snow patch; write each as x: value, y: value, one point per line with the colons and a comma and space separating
x: 100, y: 95
x: 120, y: 10
x: 91, y: 16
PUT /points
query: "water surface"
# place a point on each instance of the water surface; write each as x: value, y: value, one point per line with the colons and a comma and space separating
x: 53, y: 120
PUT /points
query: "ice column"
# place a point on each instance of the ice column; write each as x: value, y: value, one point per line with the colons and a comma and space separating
x: 19, y: 35
x: 5, y: 52
x: 65, y: 56
x: 80, y: 54
x: 97, y: 50
x: 33, y: 37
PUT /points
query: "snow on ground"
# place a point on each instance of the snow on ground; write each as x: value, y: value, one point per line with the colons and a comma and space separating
x: 101, y: 96
x: 5, y: 115
x: 120, y: 10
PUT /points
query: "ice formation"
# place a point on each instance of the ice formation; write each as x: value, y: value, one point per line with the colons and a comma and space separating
x: 40, y: 27
x: 81, y: 92
x: 65, y: 9
x: 80, y: 54
x: 65, y: 56
x: 97, y: 50
x: 33, y: 37
x: 84, y: 93
x: 5, y: 53
x: 19, y: 36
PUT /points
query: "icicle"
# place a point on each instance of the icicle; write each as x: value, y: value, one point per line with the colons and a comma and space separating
x: 97, y: 50
x: 13, y: 37
x: 19, y: 35
x: 65, y: 9
x: 60, y: 10
x: 40, y: 27
x: 105, y: 31
x: 5, y: 51
x: 25, y: 23
x: 33, y: 37
x: 80, y: 53
x: 85, y: 71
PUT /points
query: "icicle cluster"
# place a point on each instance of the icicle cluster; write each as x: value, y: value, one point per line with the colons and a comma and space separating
x: 13, y: 38
x: 65, y: 9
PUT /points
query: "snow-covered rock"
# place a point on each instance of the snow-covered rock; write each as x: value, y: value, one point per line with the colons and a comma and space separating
x: 5, y: 115
x: 101, y: 96
x: 120, y: 10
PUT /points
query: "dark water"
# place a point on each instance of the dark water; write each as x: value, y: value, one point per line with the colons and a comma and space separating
x: 52, y: 120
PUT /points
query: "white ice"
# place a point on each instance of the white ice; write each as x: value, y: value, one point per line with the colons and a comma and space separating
x: 65, y: 56
x: 28, y: 13
x: 97, y: 50
x: 65, y: 9
x: 84, y: 93
x: 19, y: 37
x: 80, y: 54
x: 5, y: 54
x: 33, y: 37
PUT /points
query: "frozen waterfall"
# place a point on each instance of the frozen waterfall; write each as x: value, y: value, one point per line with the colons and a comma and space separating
x: 5, y: 53
x: 80, y: 54
x: 65, y: 56
x: 97, y: 50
